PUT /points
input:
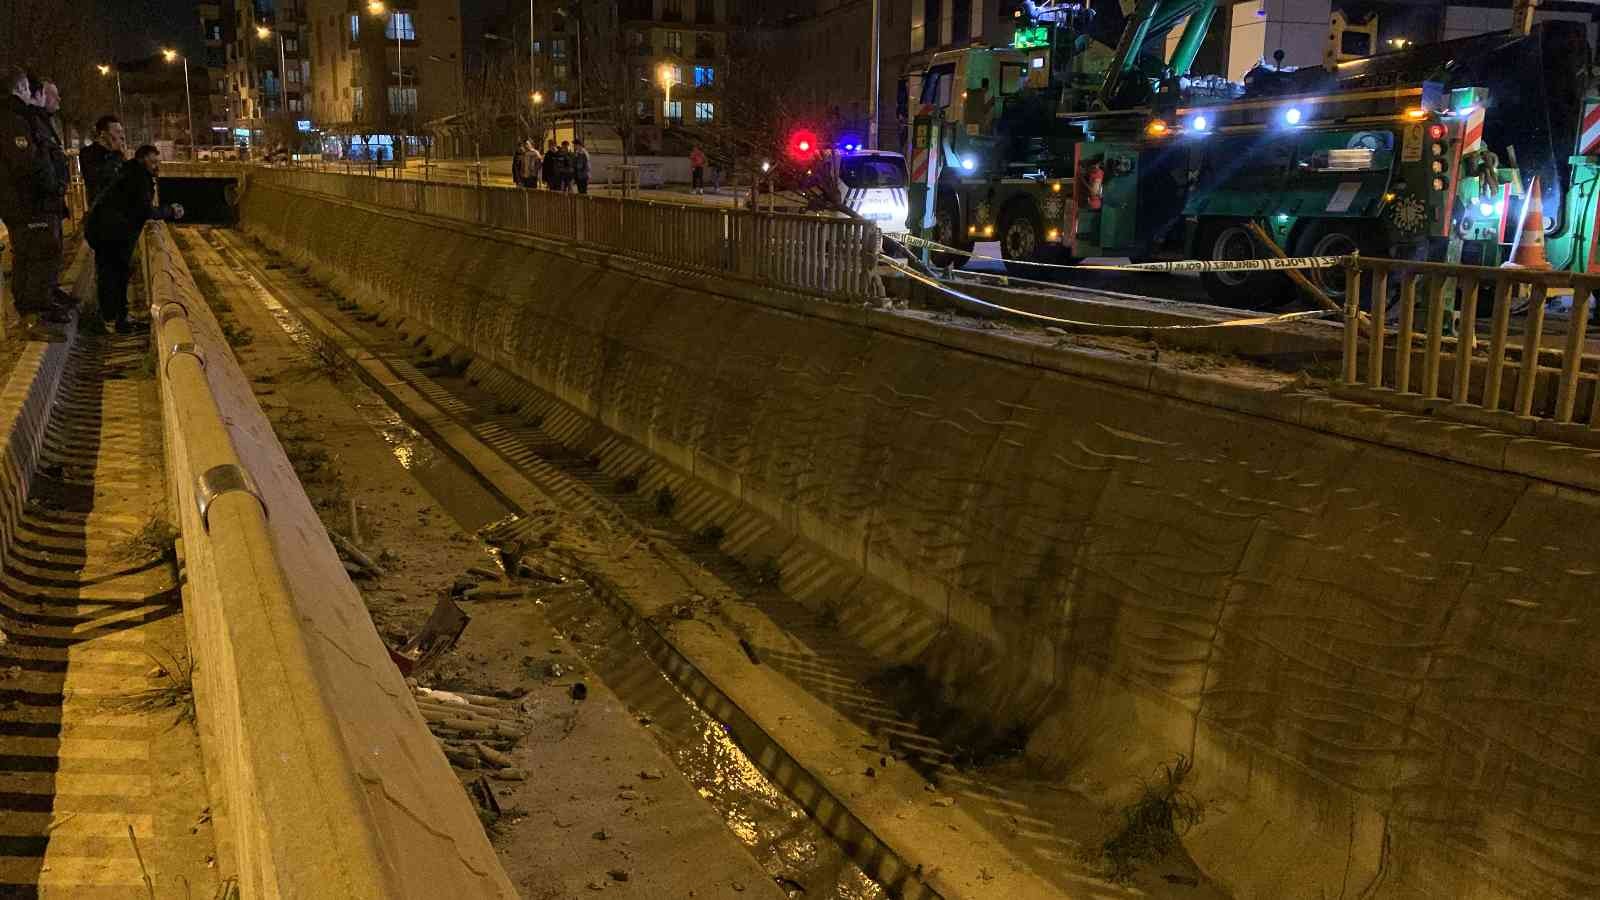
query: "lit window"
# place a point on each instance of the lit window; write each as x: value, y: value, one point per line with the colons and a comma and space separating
x: 704, y: 111
x: 538, y: 47
x: 558, y: 48
x: 296, y: 104
x: 400, y: 27
x: 560, y: 71
x: 402, y: 100
x: 357, y: 101
x: 675, y: 43
x: 561, y: 98
x: 704, y: 76
x: 355, y: 27
x: 673, y: 110
x: 639, y: 110
x: 291, y: 45
x: 292, y: 75
x: 675, y: 73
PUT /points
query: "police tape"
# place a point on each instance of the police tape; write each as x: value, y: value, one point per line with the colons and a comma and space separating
x: 1182, y: 265
x: 942, y: 287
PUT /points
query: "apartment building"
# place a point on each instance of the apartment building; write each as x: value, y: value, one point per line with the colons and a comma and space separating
x: 260, y: 70
x: 379, y: 72
x: 676, y: 54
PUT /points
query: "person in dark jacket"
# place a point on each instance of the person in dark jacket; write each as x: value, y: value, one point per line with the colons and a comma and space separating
x: 113, y: 230
x: 580, y: 166
x: 548, y: 167
x: 103, y: 159
x: 564, y: 167
x: 30, y: 201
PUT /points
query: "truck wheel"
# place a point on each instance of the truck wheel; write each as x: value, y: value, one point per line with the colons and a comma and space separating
x: 1229, y: 239
x: 1021, y: 238
x: 947, y: 231
x: 1337, y: 239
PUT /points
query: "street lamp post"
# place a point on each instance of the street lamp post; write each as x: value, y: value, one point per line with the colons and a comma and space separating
x: 263, y: 32
x: 188, y: 100
x: 107, y: 70
x: 578, y: 21
x: 667, y: 81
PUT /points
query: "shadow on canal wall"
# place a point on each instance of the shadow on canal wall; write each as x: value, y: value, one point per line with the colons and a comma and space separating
x: 1384, y: 662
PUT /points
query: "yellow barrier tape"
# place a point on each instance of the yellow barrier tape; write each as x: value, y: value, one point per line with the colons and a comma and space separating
x: 1182, y: 265
x: 1056, y: 320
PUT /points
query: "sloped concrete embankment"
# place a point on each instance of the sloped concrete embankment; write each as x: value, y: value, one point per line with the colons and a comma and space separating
x: 1383, y: 662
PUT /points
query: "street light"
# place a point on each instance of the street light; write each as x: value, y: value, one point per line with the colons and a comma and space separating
x: 667, y: 81
x: 578, y: 20
x: 263, y: 32
x: 107, y: 70
x: 170, y: 55
x: 376, y: 8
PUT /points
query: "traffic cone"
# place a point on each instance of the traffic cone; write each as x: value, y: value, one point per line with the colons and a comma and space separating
x: 1528, y: 251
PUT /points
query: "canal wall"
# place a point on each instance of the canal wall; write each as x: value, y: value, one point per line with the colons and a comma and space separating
x: 1372, y: 632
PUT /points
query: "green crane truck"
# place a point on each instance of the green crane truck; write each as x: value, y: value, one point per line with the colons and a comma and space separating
x: 1060, y: 150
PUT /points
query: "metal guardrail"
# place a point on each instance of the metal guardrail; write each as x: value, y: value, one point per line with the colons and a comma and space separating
x: 329, y: 782
x: 835, y: 257
x: 1510, y: 381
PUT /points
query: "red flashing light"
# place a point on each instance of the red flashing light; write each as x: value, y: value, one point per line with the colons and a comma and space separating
x: 1435, y: 132
x: 802, y: 144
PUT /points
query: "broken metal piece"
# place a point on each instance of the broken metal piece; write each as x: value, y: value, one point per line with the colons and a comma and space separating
x: 438, y: 635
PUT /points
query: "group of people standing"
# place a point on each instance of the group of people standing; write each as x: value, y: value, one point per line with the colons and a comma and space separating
x: 34, y: 178
x: 561, y: 167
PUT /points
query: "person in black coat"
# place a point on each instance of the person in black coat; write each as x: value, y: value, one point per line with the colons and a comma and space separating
x: 30, y: 200
x: 113, y: 228
x: 102, y: 160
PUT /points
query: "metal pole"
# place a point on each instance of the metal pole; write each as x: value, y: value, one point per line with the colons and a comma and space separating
x: 874, y: 59
x: 120, y: 114
x: 533, y: 75
x: 578, y: 125
x: 188, y: 102
x: 283, y: 73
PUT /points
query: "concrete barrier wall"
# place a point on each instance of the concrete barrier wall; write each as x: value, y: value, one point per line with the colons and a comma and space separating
x: 1383, y: 662
x: 329, y: 781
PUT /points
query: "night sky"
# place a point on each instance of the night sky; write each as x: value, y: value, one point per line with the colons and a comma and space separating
x: 141, y: 27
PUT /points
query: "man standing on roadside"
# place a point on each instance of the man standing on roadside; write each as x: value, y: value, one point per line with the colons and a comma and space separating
x: 102, y: 159
x: 31, y: 201
x: 49, y: 103
x: 113, y: 227
x: 580, y: 166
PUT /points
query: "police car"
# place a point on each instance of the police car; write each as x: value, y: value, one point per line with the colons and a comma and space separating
x: 872, y: 183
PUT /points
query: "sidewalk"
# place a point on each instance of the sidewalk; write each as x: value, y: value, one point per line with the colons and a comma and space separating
x: 497, y: 172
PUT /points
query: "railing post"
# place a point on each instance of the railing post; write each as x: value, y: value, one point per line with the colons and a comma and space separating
x: 1495, y: 368
x: 1532, y: 334
x: 1572, y: 355
x: 1430, y: 356
x: 1352, y: 317
x: 1380, y: 318
x: 1466, y: 338
x: 1403, y: 338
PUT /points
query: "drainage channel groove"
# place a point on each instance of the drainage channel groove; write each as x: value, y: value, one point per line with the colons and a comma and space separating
x: 100, y: 782
x: 802, y: 859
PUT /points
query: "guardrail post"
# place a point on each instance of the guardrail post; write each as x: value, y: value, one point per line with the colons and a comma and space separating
x: 1532, y: 334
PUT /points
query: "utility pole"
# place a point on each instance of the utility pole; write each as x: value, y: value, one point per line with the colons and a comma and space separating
x: 875, y: 61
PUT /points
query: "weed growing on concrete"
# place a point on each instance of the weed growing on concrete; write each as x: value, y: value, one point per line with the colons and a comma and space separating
x: 711, y: 535
x: 174, y: 689
x: 237, y: 335
x: 1155, y: 822
x: 153, y: 540
x: 768, y: 574
x: 329, y: 359
x: 666, y: 501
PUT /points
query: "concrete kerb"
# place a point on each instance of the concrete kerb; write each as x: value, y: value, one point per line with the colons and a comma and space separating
x: 331, y: 783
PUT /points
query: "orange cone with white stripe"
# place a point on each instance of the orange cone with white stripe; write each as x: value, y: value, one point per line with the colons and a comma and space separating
x: 1528, y: 250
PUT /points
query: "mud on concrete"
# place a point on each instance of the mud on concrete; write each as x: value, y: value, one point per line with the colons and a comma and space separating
x: 632, y: 788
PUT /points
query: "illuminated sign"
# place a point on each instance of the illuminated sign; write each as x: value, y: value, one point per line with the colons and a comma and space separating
x: 241, y: 132
x: 303, y: 124
x: 1026, y: 38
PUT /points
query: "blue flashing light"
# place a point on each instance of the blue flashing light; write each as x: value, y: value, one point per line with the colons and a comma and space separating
x: 1485, y: 209
x: 1293, y: 115
x: 968, y: 163
x: 1200, y: 123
